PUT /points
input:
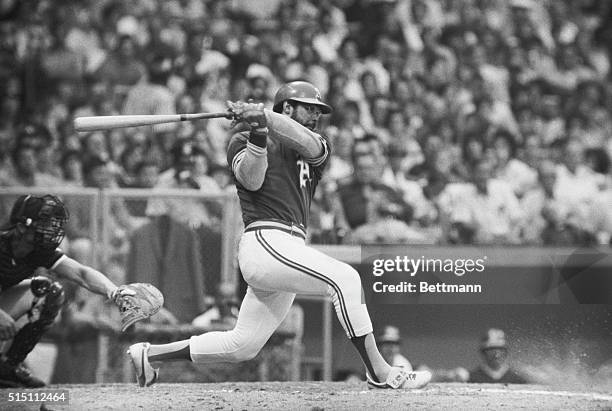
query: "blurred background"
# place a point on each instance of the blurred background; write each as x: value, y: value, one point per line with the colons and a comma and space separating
x: 456, y: 123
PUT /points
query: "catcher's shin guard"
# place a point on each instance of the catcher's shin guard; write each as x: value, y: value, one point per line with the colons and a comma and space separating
x: 28, y: 336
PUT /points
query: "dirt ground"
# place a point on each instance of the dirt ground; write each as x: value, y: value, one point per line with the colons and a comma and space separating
x: 318, y: 396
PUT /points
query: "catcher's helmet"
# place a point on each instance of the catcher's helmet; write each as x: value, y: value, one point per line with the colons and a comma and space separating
x: 300, y: 91
x: 47, y: 215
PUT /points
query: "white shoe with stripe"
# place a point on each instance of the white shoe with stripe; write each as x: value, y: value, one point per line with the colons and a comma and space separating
x: 399, y: 378
x: 145, y: 374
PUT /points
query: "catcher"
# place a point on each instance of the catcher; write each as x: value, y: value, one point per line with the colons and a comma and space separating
x: 30, y: 240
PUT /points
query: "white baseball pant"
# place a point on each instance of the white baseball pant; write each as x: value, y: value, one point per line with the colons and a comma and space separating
x: 277, y: 266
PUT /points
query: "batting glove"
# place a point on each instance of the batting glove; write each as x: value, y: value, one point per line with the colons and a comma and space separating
x: 250, y: 113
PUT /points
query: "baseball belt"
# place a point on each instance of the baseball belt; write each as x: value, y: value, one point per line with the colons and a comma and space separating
x: 288, y: 228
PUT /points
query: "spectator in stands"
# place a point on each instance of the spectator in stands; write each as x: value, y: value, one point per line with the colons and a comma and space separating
x: 576, y: 184
x: 411, y: 190
x: 601, y: 215
x: 183, y: 174
x: 223, y: 311
x: 222, y: 176
x: 350, y: 120
x: 259, y: 78
x: 540, y: 207
x: 26, y: 169
x: 146, y: 175
x: 97, y: 174
x: 95, y: 145
x: 61, y: 63
x: 598, y: 161
x: 495, y: 367
x: 380, y: 107
x: 150, y: 94
x: 488, y: 209
x: 508, y: 168
x: 446, y: 191
x: 122, y: 66
x: 376, y: 211
x: 550, y: 220
x: 454, y: 69
x: 570, y: 69
x: 553, y: 124
x: 473, y: 151
x: 72, y: 167
x: 39, y: 137
x: 7, y: 142
x: 400, y: 134
x: 532, y: 152
x: 129, y: 161
x: 390, y: 345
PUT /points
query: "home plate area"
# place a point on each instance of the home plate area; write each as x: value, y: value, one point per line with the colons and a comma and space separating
x: 316, y: 396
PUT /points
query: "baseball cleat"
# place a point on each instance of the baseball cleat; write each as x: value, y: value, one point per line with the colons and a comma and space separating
x: 17, y: 377
x: 399, y: 378
x: 145, y: 374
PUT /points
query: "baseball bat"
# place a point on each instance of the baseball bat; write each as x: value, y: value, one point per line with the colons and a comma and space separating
x: 109, y: 122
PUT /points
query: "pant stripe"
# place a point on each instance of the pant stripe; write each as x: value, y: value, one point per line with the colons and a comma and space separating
x: 312, y: 273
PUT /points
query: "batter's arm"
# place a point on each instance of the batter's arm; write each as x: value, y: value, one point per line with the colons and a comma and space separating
x: 311, y: 146
x: 248, y: 162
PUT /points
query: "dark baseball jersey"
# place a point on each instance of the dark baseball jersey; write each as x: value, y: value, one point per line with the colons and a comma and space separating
x: 289, y: 183
x: 13, y: 271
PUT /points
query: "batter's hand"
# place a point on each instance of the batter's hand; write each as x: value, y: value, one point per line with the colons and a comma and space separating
x: 250, y: 113
x: 7, y: 326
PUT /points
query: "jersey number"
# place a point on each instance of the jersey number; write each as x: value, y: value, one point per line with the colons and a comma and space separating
x: 304, y: 172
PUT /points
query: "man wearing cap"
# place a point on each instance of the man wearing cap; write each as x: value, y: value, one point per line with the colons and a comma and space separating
x: 495, y: 367
x: 31, y: 139
x: 389, y: 344
x: 277, y: 162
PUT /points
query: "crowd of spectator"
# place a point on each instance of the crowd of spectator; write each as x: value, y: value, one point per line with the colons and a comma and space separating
x: 455, y: 121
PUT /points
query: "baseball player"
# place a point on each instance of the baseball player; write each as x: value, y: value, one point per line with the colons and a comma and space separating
x: 390, y: 347
x: 29, y: 241
x: 276, y: 165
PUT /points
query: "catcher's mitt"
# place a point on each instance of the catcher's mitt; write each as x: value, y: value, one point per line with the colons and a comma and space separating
x: 137, y: 301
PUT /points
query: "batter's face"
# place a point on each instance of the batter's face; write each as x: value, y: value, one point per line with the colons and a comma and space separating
x: 306, y: 114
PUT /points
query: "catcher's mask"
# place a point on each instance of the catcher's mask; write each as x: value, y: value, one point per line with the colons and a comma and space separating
x: 45, y: 215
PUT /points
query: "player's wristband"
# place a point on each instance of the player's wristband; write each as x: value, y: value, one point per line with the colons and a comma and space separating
x: 259, y: 136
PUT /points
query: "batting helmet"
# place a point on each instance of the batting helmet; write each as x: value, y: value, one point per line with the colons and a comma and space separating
x: 300, y: 91
x: 47, y: 215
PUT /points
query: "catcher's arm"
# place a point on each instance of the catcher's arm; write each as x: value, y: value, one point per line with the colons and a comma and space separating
x: 85, y: 276
x: 135, y: 301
